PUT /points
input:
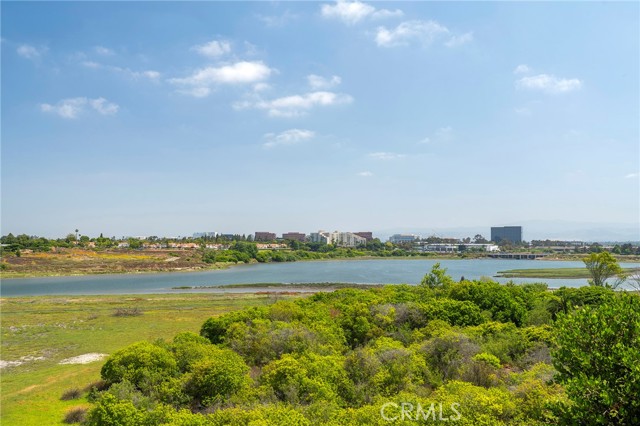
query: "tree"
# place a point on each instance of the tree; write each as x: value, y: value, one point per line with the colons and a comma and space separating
x: 603, y: 266
x: 597, y: 360
x: 479, y: 239
x: 437, y: 278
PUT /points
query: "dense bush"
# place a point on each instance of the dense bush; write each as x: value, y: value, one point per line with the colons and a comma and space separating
x: 336, y: 358
x: 597, y: 356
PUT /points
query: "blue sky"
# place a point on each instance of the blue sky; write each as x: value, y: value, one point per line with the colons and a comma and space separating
x: 156, y: 118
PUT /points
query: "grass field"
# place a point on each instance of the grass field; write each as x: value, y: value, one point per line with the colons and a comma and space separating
x: 51, y: 329
x: 65, y: 262
x: 567, y: 273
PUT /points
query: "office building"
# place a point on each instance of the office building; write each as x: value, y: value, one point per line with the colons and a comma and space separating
x: 506, y: 233
x: 294, y: 236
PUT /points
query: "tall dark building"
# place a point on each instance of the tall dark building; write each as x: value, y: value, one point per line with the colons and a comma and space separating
x: 509, y: 233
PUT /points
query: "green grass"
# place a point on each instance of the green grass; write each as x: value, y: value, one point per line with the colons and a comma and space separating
x: 61, y: 327
x: 568, y: 273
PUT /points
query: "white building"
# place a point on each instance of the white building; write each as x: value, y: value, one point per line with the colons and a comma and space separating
x: 403, y: 238
x: 342, y: 239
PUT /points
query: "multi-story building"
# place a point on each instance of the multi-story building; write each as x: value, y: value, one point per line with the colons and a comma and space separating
x: 507, y: 233
x: 294, y: 236
x: 403, y: 238
x: 366, y: 235
x: 343, y: 239
x: 265, y: 236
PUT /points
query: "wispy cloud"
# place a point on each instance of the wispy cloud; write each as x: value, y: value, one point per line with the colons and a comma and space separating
x: 103, y: 51
x: 549, y: 83
x: 386, y: 155
x: 442, y: 135
x: 459, y: 40
x: 522, y: 69
x: 276, y: 21
x: 234, y: 74
x: 149, y: 74
x: 295, y: 105
x: 320, y: 83
x: 72, y: 108
x: 632, y: 176
x: 352, y: 12
x: 213, y: 49
x: 288, y: 137
x: 28, y: 51
x: 424, y: 32
x: 365, y: 174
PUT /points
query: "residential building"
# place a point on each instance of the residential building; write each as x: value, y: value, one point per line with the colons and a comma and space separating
x: 507, y: 233
x: 403, y: 238
x: 264, y: 236
x: 294, y: 236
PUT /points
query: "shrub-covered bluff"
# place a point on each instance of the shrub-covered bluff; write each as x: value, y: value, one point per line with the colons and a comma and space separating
x: 495, y: 354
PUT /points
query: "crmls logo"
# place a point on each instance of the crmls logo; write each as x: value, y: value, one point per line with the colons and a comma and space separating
x: 407, y: 411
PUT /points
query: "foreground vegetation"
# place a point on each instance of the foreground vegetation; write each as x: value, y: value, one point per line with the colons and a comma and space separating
x: 479, y: 352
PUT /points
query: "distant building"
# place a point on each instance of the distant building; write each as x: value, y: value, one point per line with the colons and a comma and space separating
x: 343, y: 239
x: 506, y: 233
x: 366, y: 235
x: 451, y: 248
x: 264, y: 236
x: 403, y: 238
x: 323, y: 237
x: 294, y: 236
x: 205, y: 234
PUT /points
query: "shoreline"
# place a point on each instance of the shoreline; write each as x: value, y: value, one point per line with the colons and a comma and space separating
x: 7, y: 275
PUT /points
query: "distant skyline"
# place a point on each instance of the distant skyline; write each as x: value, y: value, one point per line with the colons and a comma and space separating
x: 165, y: 118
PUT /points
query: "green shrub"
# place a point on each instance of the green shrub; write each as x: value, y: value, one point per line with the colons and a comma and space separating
x: 139, y: 363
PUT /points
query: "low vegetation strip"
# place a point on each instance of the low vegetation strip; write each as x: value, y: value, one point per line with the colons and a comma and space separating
x: 567, y: 273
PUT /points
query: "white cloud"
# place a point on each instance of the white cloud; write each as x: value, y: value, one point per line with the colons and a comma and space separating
x: 456, y: 41
x: 103, y: 106
x: 288, y: 137
x: 103, y: 51
x: 213, y: 49
x: 632, y: 176
x: 365, y: 174
x: 421, y: 31
x: 30, y: 52
x: 276, y: 21
x: 386, y: 155
x: 385, y: 13
x: 549, y: 83
x: 238, y: 73
x: 352, y: 12
x: 296, y: 105
x: 196, y: 92
x: 442, y: 135
x: 261, y: 87
x: 317, y: 82
x: 522, y: 69
x: 150, y: 74
x: 71, y: 108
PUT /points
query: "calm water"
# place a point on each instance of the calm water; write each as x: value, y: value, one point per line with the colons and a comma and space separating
x: 390, y: 271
